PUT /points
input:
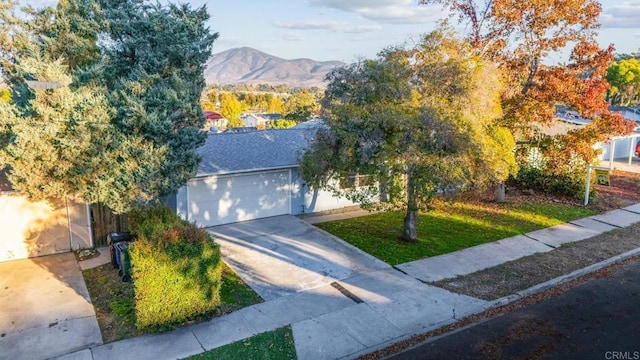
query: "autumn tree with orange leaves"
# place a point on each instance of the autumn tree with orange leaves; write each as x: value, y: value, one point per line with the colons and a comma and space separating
x: 520, y: 36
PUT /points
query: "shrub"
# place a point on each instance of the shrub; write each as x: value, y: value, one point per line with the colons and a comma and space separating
x: 176, y: 270
x: 572, y: 184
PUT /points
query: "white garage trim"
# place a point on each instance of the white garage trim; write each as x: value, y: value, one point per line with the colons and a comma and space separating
x: 223, y: 199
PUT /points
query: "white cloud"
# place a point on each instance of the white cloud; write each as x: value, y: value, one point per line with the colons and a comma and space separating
x: 358, y: 29
x: 335, y: 26
x: 357, y: 5
x: 386, y: 11
x: 308, y: 25
x: 292, y: 37
x: 361, y: 38
x: 625, y: 15
x: 404, y: 15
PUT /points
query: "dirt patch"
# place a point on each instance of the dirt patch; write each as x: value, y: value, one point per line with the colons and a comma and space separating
x: 517, y: 275
x: 624, y: 191
x: 113, y: 302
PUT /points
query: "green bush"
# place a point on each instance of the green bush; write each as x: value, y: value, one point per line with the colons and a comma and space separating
x: 572, y: 184
x: 176, y: 269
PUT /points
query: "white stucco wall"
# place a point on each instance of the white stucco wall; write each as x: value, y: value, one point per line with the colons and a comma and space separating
x: 621, y: 148
x: 304, y: 200
x: 32, y: 228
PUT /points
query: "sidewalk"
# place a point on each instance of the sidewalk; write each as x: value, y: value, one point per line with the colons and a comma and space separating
x: 382, y: 307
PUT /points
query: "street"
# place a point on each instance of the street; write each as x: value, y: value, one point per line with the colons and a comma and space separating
x: 599, y: 319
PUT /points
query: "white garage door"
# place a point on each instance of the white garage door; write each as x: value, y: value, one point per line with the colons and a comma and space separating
x: 226, y: 199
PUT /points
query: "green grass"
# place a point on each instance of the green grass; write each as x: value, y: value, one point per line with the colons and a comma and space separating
x: 234, y: 293
x: 273, y: 345
x: 449, y: 227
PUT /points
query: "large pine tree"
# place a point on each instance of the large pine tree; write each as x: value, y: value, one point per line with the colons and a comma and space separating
x: 130, y: 100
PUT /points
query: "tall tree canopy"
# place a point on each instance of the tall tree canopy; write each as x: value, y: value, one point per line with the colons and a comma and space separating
x: 125, y: 122
x: 231, y: 108
x: 300, y: 106
x: 412, y: 122
x: 624, y: 77
x: 520, y: 35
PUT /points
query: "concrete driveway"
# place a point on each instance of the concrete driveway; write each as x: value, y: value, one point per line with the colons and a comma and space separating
x: 283, y: 255
x: 45, y: 309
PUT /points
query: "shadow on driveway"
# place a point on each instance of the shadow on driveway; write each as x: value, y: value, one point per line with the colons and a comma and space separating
x: 283, y: 255
x: 45, y: 309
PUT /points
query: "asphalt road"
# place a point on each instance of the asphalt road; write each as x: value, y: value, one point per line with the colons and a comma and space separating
x: 599, y: 319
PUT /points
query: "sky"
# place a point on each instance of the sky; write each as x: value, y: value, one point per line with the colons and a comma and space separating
x: 348, y: 30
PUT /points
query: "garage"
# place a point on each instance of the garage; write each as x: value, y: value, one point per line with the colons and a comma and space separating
x: 250, y: 175
x: 223, y: 199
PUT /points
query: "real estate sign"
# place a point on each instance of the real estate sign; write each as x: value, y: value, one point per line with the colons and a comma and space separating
x: 602, y: 177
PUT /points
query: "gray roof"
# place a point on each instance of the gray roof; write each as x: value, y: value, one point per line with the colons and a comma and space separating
x: 249, y: 151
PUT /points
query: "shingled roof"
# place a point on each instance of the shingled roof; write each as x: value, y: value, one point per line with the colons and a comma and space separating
x: 227, y: 153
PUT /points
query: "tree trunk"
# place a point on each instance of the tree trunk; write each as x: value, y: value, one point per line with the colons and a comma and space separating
x: 410, y: 233
x: 500, y: 192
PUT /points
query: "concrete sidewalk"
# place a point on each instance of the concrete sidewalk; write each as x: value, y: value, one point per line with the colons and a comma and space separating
x: 366, y: 310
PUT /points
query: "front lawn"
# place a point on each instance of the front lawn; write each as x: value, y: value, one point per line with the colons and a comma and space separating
x: 113, y: 300
x: 273, y: 345
x: 449, y: 227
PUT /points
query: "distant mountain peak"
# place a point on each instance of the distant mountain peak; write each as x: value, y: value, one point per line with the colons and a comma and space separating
x: 246, y: 65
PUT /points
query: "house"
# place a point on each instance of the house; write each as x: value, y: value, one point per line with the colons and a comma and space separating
x: 256, y: 121
x: 272, y: 116
x: 37, y: 228
x: 251, y: 175
x: 214, y: 120
x: 627, y: 112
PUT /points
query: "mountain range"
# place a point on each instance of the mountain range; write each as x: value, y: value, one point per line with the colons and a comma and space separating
x: 250, y: 66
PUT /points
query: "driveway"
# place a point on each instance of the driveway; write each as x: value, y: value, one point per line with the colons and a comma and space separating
x: 45, y: 309
x: 283, y: 255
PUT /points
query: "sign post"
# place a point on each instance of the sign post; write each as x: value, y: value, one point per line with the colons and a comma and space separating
x: 603, y: 178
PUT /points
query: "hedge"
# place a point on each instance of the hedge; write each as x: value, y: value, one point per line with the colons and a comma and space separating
x: 176, y: 269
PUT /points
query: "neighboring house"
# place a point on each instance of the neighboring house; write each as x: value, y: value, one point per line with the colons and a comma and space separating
x: 622, y: 147
x: 251, y: 175
x: 256, y: 121
x: 314, y: 123
x: 214, y: 120
x: 567, y: 115
x: 36, y: 228
x: 627, y: 112
x: 272, y: 116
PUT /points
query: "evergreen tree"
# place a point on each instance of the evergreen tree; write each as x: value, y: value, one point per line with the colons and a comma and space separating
x: 143, y: 85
